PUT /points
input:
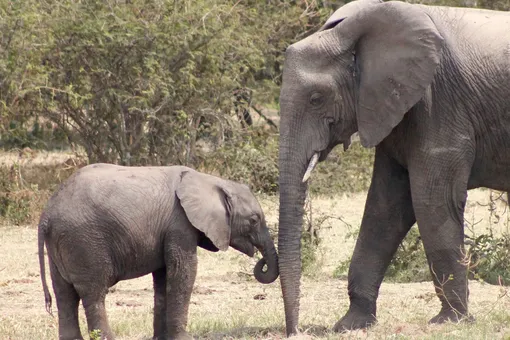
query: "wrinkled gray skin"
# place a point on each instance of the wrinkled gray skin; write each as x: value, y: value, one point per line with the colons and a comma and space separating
x: 109, y: 223
x: 429, y: 88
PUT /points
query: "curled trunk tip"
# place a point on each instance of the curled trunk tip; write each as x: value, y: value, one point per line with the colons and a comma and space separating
x: 267, y: 276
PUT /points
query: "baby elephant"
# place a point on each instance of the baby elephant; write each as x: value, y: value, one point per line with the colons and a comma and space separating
x: 109, y: 223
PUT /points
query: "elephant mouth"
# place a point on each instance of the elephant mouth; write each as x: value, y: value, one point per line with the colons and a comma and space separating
x: 324, y: 153
x: 247, y: 249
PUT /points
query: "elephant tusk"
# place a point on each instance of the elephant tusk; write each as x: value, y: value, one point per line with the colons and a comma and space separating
x: 311, y: 166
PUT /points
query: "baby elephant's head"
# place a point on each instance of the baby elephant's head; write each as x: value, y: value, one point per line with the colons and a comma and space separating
x: 227, y: 213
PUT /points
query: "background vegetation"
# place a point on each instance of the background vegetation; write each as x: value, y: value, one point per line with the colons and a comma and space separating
x: 191, y: 82
x: 162, y: 82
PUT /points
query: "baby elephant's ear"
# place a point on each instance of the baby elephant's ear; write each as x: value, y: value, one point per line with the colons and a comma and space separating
x: 206, y: 206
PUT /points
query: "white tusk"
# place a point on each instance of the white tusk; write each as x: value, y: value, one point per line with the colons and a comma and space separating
x: 311, y: 166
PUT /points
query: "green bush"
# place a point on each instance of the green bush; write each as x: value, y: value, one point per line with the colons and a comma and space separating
x: 489, y: 258
x: 25, y: 187
x: 17, y: 207
x: 250, y: 158
x: 409, y: 264
x: 140, y: 83
x: 349, y: 171
x: 19, y: 204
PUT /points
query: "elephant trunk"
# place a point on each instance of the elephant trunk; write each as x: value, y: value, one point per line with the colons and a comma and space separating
x: 292, y: 166
x: 270, y: 259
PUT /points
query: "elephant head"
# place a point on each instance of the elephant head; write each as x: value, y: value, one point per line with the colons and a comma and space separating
x: 227, y: 213
x: 361, y: 72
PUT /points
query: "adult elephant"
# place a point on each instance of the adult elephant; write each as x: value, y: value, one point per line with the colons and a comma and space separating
x: 429, y: 88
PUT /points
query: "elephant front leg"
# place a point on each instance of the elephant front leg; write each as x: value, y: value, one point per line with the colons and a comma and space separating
x: 439, y: 202
x: 181, y: 274
x: 387, y: 218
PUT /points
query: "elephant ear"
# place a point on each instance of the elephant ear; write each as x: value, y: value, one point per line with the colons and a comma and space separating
x: 206, y: 205
x: 347, y: 10
x: 397, y: 49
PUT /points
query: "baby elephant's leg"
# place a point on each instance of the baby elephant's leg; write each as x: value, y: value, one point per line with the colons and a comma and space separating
x: 93, y: 295
x: 181, y: 268
x: 67, y: 303
x: 95, y: 311
x: 159, y: 280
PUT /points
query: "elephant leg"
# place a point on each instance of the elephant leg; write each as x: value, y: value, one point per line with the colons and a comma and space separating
x: 387, y: 218
x: 68, y: 302
x: 439, y: 200
x: 159, y: 280
x: 181, y: 273
x: 95, y: 311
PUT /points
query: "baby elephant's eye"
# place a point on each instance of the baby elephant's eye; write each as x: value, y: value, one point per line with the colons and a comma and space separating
x: 316, y: 99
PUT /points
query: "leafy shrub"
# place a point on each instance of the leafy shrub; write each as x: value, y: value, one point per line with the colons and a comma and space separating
x: 20, y: 207
x: 310, y: 253
x: 25, y: 187
x: 489, y: 258
x: 349, y: 171
x: 95, y: 334
x: 250, y: 158
x: 33, y: 133
x: 500, y: 5
x: 142, y: 83
x: 409, y: 264
x: 18, y: 204
x: 488, y: 251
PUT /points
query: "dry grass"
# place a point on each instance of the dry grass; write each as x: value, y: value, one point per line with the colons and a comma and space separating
x: 229, y: 304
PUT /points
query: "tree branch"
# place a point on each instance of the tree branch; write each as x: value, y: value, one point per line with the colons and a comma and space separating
x: 268, y: 120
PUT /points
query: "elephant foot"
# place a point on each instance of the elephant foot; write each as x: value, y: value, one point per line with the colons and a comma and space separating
x: 451, y: 315
x: 354, y: 320
x: 361, y: 314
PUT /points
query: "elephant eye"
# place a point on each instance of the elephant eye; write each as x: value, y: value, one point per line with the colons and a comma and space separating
x: 316, y: 99
x: 254, y: 220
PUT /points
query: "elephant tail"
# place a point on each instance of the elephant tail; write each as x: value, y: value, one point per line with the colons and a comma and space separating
x: 43, y: 227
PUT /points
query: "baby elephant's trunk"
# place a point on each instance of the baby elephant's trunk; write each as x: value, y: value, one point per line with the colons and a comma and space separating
x: 270, y: 259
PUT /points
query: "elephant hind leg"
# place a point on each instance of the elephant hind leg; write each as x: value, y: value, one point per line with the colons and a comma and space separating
x: 68, y: 302
x: 387, y: 218
x: 439, y: 200
x: 159, y: 280
x: 95, y: 311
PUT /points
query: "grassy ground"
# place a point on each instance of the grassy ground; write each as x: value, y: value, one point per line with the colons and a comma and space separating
x: 228, y: 303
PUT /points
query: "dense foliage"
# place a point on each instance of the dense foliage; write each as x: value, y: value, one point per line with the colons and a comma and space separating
x: 136, y: 82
